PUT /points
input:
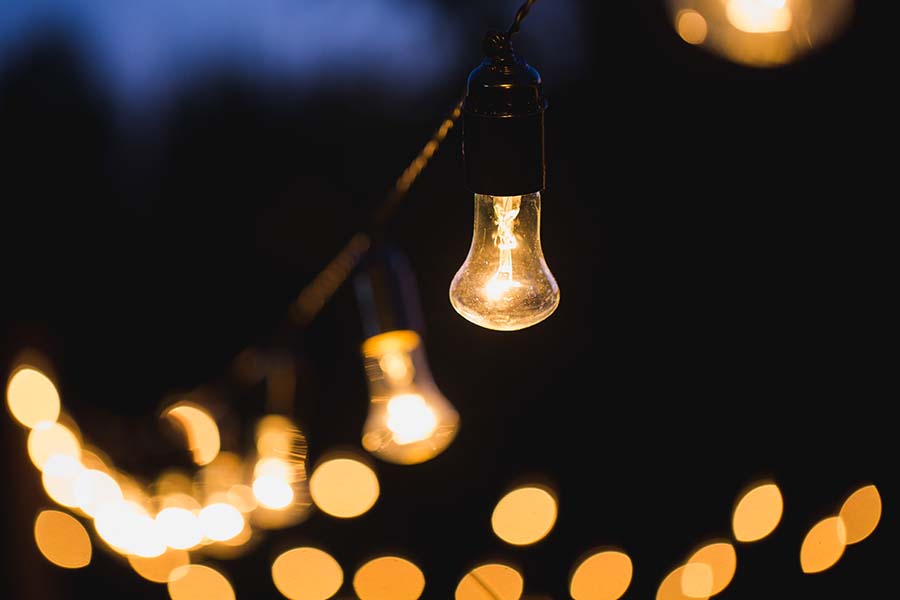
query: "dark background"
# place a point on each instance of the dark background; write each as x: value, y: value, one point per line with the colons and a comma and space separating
x: 713, y: 228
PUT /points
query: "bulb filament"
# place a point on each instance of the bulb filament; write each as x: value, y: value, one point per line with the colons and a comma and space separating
x: 506, y: 209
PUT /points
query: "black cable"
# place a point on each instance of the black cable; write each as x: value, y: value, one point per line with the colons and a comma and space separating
x: 520, y: 16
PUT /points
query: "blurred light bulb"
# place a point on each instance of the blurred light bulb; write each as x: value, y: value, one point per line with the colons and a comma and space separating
x: 505, y: 284
x: 760, y: 33
x: 409, y: 420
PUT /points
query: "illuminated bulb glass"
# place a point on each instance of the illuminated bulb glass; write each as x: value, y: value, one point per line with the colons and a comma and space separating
x: 409, y: 420
x: 505, y: 283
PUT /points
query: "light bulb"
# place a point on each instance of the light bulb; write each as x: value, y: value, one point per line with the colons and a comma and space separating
x: 409, y: 420
x: 505, y: 283
x: 760, y: 33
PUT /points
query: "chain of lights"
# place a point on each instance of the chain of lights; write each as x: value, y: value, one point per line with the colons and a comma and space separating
x: 168, y: 528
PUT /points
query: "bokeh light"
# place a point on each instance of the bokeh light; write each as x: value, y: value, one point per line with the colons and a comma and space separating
x: 697, y: 580
x: 757, y: 513
x: 671, y: 587
x: 823, y: 545
x: 200, y: 429
x: 721, y: 560
x: 58, y: 478
x: 221, y: 521
x: 602, y: 576
x: 389, y: 578
x: 272, y: 483
x: 31, y: 397
x: 524, y: 515
x: 760, y: 33
x: 50, y: 438
x: 179, y: 527
x: 62, y: 539
x: 127, y: 528
x: 93, y: 489
x: 691, y: 26
x: 199, y: 582
x: 158, y: 568
x: 274, y: 436
x: 307, y: 574
x: 492, y: 581
x: 344, y: 487
x: 861, y: 513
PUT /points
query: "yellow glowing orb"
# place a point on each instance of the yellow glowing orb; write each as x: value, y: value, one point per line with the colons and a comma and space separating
x: 62, y: 539
x: 602, y: 576
x: 199, y: 582
x: 490, y: 582
x: 344, y: 487
x: 524, y: 516
x: 721, y: 560
x: 50, y: 438
x: 824, y: 545
x: 389, y: 578
x: 307, y: 574
x: 861, y: 513
x: 31, y: 397
x: 758, y: 513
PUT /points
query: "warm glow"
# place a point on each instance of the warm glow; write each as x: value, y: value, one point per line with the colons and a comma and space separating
x: 758, y: 513
x: 759, y: 16
x: 490, y: 582
x: 50, y: 438
x: 158, y: 568
x: 697, y: 580
x: 272, y: 483
x: 721, y: 560
x: 389, y: 578
x: 691, y: 26
x: 274, y: 436
x: 410, y: 418
x: 58, y: 478
x: 62, y: 539
x: 198, y: 582
x: 307, y: 574
x: 179, y: 527
x: 127, y: 528
x: 93, y: 489
x: 671, y: 587
x: 602, y: 576
x: 504, y: 283
x: 31, y: 397
x: 200, y: 428
x: 824, y: 545
x: 272, y: 492
x: 861, y: 513
x: 524, y: 516
x: 344, y: 487
x: 221, y: 521
x: 242, y: 497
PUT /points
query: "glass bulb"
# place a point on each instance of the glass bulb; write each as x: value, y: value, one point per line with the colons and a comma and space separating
x: 505, y: 284
x: 409, y: 420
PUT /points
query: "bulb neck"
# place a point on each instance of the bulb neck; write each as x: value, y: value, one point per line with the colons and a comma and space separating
x: 386, y: 293
x: 503, y: 123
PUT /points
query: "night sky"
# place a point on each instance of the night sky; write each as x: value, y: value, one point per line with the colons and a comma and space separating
x: 725, y: 312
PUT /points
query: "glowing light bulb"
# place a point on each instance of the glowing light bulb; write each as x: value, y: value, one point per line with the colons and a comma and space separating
x: 409, y: 419
x: 505, y: 283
